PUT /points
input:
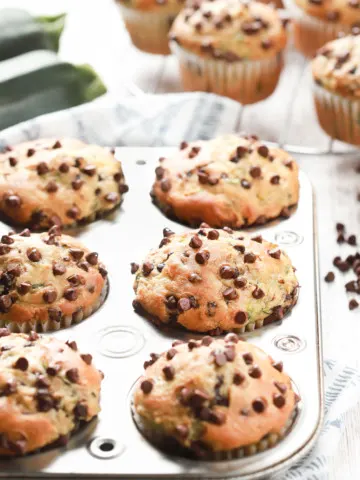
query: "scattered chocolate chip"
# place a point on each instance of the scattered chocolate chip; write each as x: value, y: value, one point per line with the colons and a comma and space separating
x: 89, y: 170
x: 228, y: 272
x: 134, y: 267
x: 51, y: 187
x: 33, y: 255
x: 353, y: 304
x: 352, y: 240
x: 194, y: 278
x: 31, y: 152
x: 206, y: 341
x: 329, y: 277
x: 25, y: 233
x: 87, y: 358
x: 42, y: 168
x: 7, y: 240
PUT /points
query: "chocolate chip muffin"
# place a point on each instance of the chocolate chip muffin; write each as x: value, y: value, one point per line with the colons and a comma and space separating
x: 215, y: 280
x: 336, y: 73
x: 48, y: 281
x: 317, y: 22
x: 229, y: 47
x: 47, y: 388
x: 58, y: 182
x: 148, y: 22
x: 229, y: 181
x: 220, y: 398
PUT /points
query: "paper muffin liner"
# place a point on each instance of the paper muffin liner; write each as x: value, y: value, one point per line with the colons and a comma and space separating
x: 65, y: 322
x: 247, y: 81
x: 311, y: 33
x: 166, y: 442
x: 148, y: 30
x: 338, y: 116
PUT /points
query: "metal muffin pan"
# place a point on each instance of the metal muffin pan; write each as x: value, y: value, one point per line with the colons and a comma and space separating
x: 120, y: 341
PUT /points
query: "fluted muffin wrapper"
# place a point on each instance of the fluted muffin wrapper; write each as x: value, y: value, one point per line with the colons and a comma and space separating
x: 311, y: 33
x: 246, y: 81
x: 158, y: 438
x: 52, y: 325
x: 148, y: 30
x: 338, y: 116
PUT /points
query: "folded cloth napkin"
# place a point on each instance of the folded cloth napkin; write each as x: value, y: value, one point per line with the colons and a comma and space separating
x: 165, y: 120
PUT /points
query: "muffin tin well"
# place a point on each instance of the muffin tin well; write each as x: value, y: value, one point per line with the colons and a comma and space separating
x: 120, y: 341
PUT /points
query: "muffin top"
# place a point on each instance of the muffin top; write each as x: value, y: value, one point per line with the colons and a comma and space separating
x: 215, y: 395
x: 46, y: 388
x: 159, y: 6
x: 45, y: 278
x: 336, y: 66
x: 58, y: 182
x: 230, y: 30
x: 215, y: 280
x: 344, y: 12
x: 228, y: 181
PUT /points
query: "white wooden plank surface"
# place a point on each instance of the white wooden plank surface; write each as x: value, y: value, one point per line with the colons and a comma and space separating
x: 95, y: 34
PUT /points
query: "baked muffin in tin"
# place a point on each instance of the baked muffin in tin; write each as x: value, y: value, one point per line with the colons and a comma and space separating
x: 232, y: 181
x: 218, y: 399
x: 211, y: 280
x: 46, y: 389
x: 58, y: 182
x: 48, y: 281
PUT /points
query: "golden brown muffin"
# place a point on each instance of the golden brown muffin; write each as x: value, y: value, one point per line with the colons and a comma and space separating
x: 215, y: 280
x: 317, y: 22
x: 215, y: 396
x: 48, y: 281
x: 148, y: 22
x: 336, y: 73
x: 229, y: 47
x: 46, y: 388
x: 58, y: 182
x: 229, y: 181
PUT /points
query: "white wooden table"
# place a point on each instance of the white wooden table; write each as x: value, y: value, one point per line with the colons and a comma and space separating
x: 95, y: 35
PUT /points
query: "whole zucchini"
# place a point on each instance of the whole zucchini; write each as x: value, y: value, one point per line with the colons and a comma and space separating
x: 20, y: 32
x: 39, y: 82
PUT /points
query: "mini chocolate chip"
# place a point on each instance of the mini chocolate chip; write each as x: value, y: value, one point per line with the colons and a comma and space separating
x: 92, y: 258
x: 21, y: 364
x: 248, y: 358
x: 70, y: 294
x: 245, y: 184
x: 183, y: 145
x: 147, y: 268
x: 87, y: 358
x: 249, y: 257
x: 255, y: 372
x: 169, y: 372
x: 258, y: 405
x: 76, y: 253
x: 171, y: 302
x: 230, y: 294
x: 58, y: 269
x: 266, y: 44
x: 329, y: 277
x: 255, y: 172
x: 159, y: 171
x: 13, y: 201
x: 57, y: 144
x: 218, y: 418
x: 195, y: 242
x: 33, y: 255
x: 240, y: 317
x: 192, y: 344
x: 258, y: 293
x: 278, y: 366
x: 238, y: 378
x: 240, y: 282
x: 202, y: 257
x: 279, y: 400
x: 146, y: 386
x: 8, y: 389
x: 353, y: 304
x: 72, y: 375
x: 49, y: 296
x: 72, y: 344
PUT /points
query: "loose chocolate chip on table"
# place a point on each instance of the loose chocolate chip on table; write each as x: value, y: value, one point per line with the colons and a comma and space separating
x: 31, y: 152
x: 340, y: 238
x: 340, y: 227
x: 13, y: 161
x: 352, y: 240
x: 183, y: 145
x: 353, y: 304
x: 329, y: 277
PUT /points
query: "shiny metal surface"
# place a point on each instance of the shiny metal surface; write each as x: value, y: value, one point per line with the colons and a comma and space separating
x: 120, y: 341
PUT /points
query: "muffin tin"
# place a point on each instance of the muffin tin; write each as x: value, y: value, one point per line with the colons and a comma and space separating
x: 120, y: 341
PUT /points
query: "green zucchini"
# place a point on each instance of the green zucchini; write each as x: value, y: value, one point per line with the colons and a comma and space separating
x: 39, y: 82
x: 20, y: 32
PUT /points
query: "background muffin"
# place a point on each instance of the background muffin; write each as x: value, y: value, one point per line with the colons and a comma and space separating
x: 214, y: 281
x: 229, y: 47
x: 229, y: 181
x: 58, y: 182
x: 46, y: 388
x: 215, y: 396
x: 48, y: 281
x: 336, y: 72
x: 319, y: 21
x: 148, y: 22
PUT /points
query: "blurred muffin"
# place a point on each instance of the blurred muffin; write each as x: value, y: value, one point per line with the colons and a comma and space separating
x: 214, y: 281
x: 48, y: 281
x: 319, y: 21
x: 58, y: 182
x: 229, y: 47
x: 47, y: 388
x: 336, y: 72
x: 216, y: 398
x: 148, y: 22
x: 228, y: 181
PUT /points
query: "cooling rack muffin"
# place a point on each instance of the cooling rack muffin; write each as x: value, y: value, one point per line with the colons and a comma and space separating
x: 58, y: 182
x: 215, y: 280
x: 229, y: 181
x: 217, y: 398
x: 229, y: 47
x: 317, y: 22
x: 48, y: 281
x: 148, y: 22
x: 47, y: 388
x: 336, y: 72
